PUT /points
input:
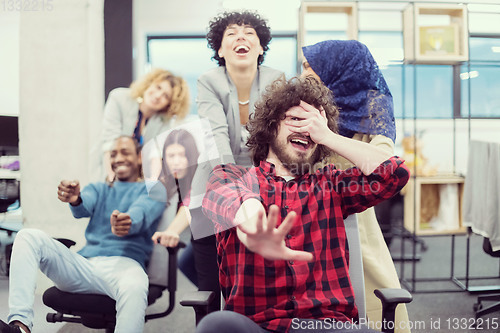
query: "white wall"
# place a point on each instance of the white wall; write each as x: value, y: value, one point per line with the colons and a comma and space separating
x: 61, y: 93
x: 9, y: 62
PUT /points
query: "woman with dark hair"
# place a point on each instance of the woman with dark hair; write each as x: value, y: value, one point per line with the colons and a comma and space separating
x: 180, y: 159
x: 226, y: 97
x: 359, y: 89
x: 179, y: 163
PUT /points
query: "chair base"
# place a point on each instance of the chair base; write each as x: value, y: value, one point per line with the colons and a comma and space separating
x: 481, y: 310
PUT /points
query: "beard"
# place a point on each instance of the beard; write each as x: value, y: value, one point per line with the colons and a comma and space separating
x: 299, y: 164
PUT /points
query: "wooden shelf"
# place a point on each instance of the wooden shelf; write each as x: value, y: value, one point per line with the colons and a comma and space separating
x: 439, y: 43
x: 420, y: 194
x: 348, y: 8
x: 9, y: 174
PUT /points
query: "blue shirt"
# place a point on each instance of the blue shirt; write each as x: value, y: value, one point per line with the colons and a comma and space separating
x: 99, y: 200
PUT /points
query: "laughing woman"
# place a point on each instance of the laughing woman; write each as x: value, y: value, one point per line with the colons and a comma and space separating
x: 226, y: 97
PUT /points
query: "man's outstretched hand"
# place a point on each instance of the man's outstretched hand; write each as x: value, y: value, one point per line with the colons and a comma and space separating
x: 68, y: 191
x: 260, y: 235
x: 120, y: 223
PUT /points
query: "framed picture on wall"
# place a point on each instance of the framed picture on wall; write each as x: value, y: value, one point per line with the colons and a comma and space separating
x: 440, y: 40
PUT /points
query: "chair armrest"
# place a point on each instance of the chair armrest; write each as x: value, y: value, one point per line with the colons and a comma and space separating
x: 171, y: 281
x: 174, y: 250
x: 172, y: 265
x: 67, y: 242
x: 390, y: 299
x: 200, y: 301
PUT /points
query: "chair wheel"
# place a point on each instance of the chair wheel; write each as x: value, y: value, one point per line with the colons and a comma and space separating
x: 477, y: 306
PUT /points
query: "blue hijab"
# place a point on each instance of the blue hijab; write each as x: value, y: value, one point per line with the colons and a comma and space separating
x: 359, y: 89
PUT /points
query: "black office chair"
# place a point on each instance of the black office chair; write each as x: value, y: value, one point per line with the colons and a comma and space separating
x: 98, y: 311
x: 479, y: 308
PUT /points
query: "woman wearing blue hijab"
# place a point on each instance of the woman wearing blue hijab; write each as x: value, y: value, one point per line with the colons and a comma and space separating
x: 366, y: 114
x: 349, y: 70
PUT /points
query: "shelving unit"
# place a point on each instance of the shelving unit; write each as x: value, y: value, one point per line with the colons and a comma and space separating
x: 435, y: 34
x: 348, y: 9
x: 415, y: 200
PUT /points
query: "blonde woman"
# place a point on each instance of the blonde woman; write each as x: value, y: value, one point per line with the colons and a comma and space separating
x: 152, y: 104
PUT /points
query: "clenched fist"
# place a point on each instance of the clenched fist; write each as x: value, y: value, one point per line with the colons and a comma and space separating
x: 120, y: 223
x: 69, y: 191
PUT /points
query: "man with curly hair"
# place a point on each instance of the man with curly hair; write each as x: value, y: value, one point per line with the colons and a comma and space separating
x: 282, y: 248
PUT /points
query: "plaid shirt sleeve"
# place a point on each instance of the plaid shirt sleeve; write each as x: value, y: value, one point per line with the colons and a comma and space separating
x: 229, y: 185
x: 359, y: 192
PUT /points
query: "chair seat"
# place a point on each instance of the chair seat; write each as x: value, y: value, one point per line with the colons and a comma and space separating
x: 71, y: 303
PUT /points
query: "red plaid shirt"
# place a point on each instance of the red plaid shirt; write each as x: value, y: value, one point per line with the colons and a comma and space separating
x: 271, y: 293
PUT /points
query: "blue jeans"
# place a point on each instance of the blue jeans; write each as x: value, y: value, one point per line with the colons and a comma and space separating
x: 187, y: 265
x: 121, y: 278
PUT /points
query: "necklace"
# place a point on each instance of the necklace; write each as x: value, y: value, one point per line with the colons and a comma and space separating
x: 244, y: 103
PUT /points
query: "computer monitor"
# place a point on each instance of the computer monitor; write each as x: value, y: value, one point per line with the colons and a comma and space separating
x: 9, y: 135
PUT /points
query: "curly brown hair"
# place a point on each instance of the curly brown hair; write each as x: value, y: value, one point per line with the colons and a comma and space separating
x: 218, y: 25
x: 279, y: 97
x: 179, y: 104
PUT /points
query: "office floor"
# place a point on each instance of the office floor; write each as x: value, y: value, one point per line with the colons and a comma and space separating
x: 437, y: 299
x: 439, y: 306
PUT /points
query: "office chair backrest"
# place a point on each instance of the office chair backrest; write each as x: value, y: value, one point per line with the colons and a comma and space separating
x: 356, y: 263
x: 489, y: 249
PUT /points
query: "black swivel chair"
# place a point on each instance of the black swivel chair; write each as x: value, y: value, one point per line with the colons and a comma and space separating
x: 479, y: 308
x: 98, y: 311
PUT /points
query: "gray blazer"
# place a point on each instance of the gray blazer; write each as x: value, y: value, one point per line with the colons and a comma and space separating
x: 217, y: 101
